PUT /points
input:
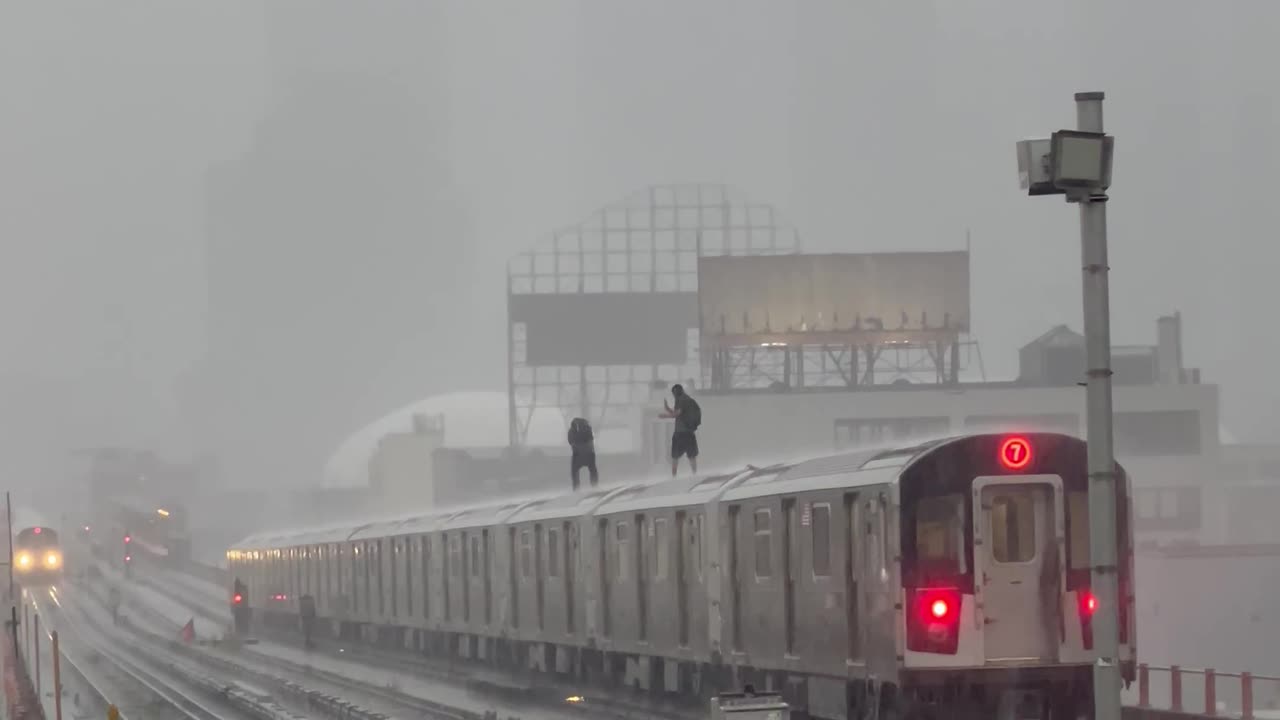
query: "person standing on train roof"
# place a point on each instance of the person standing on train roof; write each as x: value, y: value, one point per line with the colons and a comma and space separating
x: 684, y: 439
x: 582, y: 442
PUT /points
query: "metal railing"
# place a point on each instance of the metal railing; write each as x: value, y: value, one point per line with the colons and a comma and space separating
x: 1205, y: 692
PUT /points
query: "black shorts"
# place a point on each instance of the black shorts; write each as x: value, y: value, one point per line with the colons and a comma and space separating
x: 684, y: 443
x: 581, y: 460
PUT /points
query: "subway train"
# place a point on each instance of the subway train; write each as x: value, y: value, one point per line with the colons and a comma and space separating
x: 37, y: 552
x: 938, y: 580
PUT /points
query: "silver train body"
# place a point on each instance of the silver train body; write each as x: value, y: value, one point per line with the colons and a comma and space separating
x: 955, y: 571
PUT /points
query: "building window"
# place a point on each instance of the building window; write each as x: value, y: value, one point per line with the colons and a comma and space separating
x: 1165, y: 432
x: 1068, y: 423
x: 763, y: 543
x: 475, y: 557
x: 870, y: 432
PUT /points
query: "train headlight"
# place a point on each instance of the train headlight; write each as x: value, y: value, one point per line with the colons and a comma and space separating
x: 24, y: 560
x: 52, y: 560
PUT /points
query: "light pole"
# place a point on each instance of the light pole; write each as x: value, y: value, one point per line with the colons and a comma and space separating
x: 1078, y: 164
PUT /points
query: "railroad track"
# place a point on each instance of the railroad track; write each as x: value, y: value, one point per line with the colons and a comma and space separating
x: 139, y: 688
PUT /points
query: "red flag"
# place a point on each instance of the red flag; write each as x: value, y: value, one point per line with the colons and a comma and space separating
x: 189, y: 631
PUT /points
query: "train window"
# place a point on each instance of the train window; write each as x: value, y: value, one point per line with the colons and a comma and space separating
x: 408, y: 576
x: 1013, y: 529
x: 526, y: 554
x: 875, y: 564
x: 940, y: 534
x: 620, y: 552
x: 662, y: 549
x: 475, y: 556
x: 699, y: 550
x: 1078, y: 529
x: 821, y: 533
x: 553, y: 552
x: 424, y: 548
x: 763, y: 544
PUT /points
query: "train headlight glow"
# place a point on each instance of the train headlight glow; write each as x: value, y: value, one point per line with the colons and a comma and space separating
x: 24, y: 560
x: 52, y: 560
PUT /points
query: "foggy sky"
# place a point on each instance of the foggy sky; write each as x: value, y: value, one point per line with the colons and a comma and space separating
x: 401, y: 151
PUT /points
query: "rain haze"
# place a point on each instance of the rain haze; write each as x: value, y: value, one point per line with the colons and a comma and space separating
x: 238, y: 234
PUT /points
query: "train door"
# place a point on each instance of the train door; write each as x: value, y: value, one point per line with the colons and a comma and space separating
x: 788, y: 573
x: 735, y: 577
x: 513, y: 580
x: 682, y: 531
x: 466, y: 548
x: 538, y: 572
x: 425, y: 560
x: 570, y: 544
x: 854, y: 539
x: 1017, y: 566
x: 606, y: 569
x: 488, y: 582
x: 643, y: 538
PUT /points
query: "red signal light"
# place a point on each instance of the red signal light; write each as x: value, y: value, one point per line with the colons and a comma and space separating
x: 128, y: 539
x: 939, y: 608
x: 237, y: 598
x: 37, y: 531
x: 1089, y: 603
x: 1015, y: 452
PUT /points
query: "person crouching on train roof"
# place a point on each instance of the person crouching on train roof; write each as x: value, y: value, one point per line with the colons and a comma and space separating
x: 684, y: 440
x: 583, y: 444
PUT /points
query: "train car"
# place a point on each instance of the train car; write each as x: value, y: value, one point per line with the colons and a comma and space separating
x: 37, y: 556
x: 941, y: 579
x: 158, y: 531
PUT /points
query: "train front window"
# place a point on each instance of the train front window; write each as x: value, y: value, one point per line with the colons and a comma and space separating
x: 940, y: 535
x: 1013, y: 528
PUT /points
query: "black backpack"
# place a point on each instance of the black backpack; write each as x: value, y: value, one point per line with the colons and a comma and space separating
x: 580, y: 432
x: 692, y: 413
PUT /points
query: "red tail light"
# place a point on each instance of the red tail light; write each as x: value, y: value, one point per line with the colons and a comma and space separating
x: 933, y: 621
x: 1086, y: 605
x: 939, y: 609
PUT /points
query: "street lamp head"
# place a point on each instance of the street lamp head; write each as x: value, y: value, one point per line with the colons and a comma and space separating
x: 1034, y: 169
x: 1080, y: 161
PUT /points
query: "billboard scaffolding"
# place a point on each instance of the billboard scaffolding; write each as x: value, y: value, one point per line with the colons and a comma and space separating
x: 833, y: 320
x: 601, y: 311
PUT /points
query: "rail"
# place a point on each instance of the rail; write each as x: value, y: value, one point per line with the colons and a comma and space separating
x: 1205, y: 692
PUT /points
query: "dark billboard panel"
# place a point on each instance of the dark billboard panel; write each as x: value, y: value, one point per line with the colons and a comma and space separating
x: 606, y: 328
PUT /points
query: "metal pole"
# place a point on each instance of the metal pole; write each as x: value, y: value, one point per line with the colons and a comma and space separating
x: 57, y: 679
x: 8, y: 513
x: 36, y: 655
x: 1102, y: 467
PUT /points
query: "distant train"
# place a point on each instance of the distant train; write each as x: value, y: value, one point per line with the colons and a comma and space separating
x: 156, y: 532
x: 37, y: 556
x: 943, y: 579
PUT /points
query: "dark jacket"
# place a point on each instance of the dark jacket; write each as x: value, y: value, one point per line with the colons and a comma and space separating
x: 581, y: 439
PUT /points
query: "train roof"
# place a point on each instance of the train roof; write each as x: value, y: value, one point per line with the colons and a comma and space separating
x: 841, y: 470
x: 857, y: 469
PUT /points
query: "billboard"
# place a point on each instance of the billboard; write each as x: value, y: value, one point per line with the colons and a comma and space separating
x: 834, y: 293
x: 606, y: 328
